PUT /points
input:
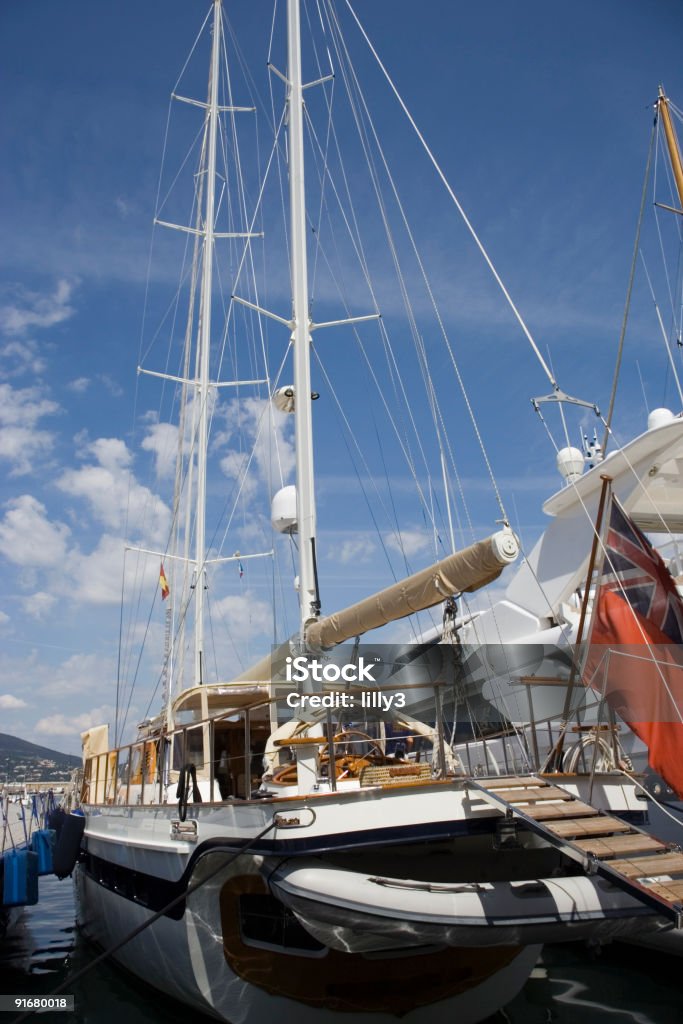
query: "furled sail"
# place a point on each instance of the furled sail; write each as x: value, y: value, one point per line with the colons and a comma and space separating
x: 464, y: 571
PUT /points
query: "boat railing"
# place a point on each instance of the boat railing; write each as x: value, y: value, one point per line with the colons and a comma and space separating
x: 142, y: 772
x: 592, y: 722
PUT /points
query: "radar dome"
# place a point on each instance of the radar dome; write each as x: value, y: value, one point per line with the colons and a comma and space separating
x: 570, y: 463
x: 283, y: 510
x: 659, y: 417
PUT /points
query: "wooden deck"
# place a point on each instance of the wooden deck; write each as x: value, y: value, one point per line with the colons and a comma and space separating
x: 642, y: 865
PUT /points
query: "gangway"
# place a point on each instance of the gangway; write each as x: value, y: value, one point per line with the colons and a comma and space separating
x: 640, y: 864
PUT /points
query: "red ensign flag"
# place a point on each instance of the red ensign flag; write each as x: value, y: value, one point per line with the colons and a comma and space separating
x: 636, y: 645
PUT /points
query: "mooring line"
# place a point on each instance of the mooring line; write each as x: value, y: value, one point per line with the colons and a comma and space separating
x: 155, y: 917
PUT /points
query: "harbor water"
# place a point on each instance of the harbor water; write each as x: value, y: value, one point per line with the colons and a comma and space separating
x: 617, y: 985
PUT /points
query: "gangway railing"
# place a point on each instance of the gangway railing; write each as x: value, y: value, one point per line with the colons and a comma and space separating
x: 630, y: 858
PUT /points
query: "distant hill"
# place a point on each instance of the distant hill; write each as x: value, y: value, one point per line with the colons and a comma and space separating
x: 21, y: 760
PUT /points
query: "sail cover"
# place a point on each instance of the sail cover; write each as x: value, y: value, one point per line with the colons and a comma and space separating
x: 464, y: 571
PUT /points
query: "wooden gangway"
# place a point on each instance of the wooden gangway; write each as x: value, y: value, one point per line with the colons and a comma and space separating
x: 645, y: 867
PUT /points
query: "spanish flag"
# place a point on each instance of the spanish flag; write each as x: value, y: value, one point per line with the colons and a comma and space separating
x: 163, y: 583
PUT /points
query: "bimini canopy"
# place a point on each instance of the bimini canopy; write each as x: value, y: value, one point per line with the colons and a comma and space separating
x: 213, y: 699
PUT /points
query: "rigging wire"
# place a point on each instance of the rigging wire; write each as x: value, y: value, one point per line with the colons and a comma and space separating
x: 246, y: 253
x: 629, y: 291
x: 442, y: 434
x: 665, y: 337
x: 370, y: 476
x: 418, y: 340
x: 156, y: 916
x: 123, y: 665
x: 402, y: 399
x: 454, y: 198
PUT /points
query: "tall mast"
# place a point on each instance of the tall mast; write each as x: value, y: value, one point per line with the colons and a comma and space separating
x: 301, y: 333
x: 204, y: 348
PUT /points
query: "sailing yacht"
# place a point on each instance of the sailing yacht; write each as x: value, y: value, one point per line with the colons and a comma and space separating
x: 305, y: 839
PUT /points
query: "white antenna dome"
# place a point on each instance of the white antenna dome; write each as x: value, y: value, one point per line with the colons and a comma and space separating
x: 570, y: 463
x: 283, y: 510
x: 659, y: 417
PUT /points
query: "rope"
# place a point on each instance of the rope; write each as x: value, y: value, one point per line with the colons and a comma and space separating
x: 188, y: 774
x: 654, y: 800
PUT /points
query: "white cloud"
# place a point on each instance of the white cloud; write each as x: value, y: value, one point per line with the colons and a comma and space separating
x: 97, y: 576
x: 4, y: 618
x: 112, y: 492
x: 111, y: 452
x: 234, y: 465
x: 245, y: 616
x: 20, y: 411
x: 39, y: 605
x: 112, y: 386
x: 79, y: 385
x: 80, y: 674
x: 10, y: 703
x: 359, y: 550
x: 72, y: 725
x: 409, y: 542
x: 267, y: 431
x: 24, y: 357
x: 162, y: 441
x: 28, y: 537
x: 123, y: 206
x: 23, y: 446
x: 31, y: 309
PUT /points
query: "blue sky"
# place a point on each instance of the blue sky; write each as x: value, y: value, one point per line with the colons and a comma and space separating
x: 538, y: 114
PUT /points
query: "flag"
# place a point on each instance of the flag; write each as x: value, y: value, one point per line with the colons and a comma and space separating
x: 163, y: 583
x: 635, y: 571
x: 635, y: 647
x: 241, y: 568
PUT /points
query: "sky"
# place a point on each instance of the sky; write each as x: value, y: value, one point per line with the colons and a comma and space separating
x: 539, y: 115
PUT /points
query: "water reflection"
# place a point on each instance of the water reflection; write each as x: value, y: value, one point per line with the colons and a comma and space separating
x: 618, y: 985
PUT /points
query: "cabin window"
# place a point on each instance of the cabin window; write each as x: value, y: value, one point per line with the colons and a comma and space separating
x: 188, y: 748
x: 123, y: 773
x: 111, y: 784
x: 136, y: 765
x: 266, y: 924
x: 195, y: 747
x: 150, y: 761
x: 186, y: 716
x: 177, y: 759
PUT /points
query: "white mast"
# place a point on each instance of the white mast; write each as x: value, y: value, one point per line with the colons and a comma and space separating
x: 301, y: 332
x: 204, y: 347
